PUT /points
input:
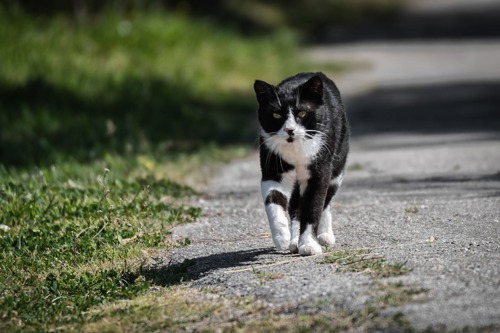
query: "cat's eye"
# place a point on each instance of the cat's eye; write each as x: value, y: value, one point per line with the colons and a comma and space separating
x: 276, y: 115
x: 302, y: 114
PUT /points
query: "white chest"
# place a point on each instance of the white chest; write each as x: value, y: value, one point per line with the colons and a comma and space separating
x: 297, y: 152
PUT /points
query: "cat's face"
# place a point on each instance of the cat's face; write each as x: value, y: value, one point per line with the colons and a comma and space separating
x: 290, y: 113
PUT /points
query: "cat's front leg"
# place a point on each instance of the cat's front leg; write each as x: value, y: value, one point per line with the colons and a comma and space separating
x: 311, y: 210
x: 276, y: 195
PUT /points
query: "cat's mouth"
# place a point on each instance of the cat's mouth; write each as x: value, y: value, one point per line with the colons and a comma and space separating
x: 290, y: 139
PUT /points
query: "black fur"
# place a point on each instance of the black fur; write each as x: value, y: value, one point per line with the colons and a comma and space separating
x: 318, y: 96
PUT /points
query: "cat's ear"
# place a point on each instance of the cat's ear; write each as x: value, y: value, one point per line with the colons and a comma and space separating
x: 312, y: 90
x: 264, y: 92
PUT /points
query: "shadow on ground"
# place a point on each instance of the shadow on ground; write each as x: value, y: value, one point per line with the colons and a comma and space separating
x: 446, y: 187
x: 194, y: 269
x: 41, y: 122
x: 427, y: 109
x: 455, y: 22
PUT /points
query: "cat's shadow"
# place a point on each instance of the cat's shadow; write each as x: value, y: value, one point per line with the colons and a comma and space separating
x: 187, y: 270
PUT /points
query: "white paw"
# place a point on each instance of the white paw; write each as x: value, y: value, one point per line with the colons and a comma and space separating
x: 310, y: 249
x: 294, y: 246
x: 308, y: 245
x: 325, y: 232
x: 326, y: 239
x: 281, y: 242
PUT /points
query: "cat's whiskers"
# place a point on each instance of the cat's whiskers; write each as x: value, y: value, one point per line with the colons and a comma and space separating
x: 269, y: 140
x: 266, y: 140
x: 268, y: 158
x: 322, y: 142
x: 263, y: 142
x: 281, y: 163
x: 273, y: 149
x: 315, y: 132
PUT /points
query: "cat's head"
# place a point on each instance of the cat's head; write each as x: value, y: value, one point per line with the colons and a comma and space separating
x: 292, y: 110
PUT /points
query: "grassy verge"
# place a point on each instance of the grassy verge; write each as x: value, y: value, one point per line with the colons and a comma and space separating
x: 98, y: 117
x: 141, y: 83
x: 181, y: 308
x: 73, y: 237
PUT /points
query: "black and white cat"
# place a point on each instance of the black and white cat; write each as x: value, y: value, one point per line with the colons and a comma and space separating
x: 304, y: 142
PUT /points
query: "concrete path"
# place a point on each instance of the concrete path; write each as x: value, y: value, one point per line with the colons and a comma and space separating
x: 383, y: 64
x: 422, y: 190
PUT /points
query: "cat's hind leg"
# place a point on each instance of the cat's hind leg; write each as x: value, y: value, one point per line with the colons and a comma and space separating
x: 294, y: 212
x: 325, y: 230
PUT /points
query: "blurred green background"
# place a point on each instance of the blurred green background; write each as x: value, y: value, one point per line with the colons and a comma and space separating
x: 83, y: 78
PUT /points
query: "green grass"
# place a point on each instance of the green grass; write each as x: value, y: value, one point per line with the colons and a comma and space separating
x: 365, y: 262
x: 98, y: 117
x: 188, y: 309
x: 355, y: 167
x: 262, y: 276
x: 141, y: 83
x: 74, y: 238
x: 411, y: 210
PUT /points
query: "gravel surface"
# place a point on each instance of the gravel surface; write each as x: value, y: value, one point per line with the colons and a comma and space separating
x: 423, y: 192
x: 442, y: 222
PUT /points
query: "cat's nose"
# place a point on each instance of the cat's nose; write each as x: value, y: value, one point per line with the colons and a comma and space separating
x: 289, y: 131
